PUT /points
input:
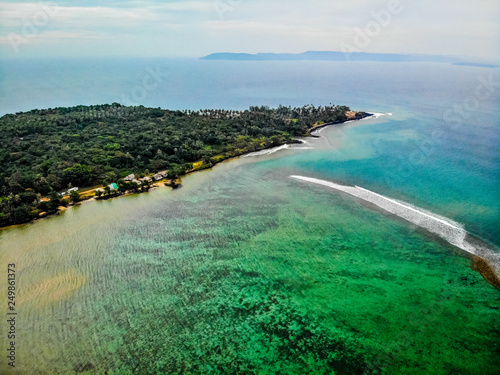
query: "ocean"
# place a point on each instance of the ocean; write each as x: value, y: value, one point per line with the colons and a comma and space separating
x: 246, y: 269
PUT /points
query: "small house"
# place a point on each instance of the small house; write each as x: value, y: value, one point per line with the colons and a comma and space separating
x: 113, y: 186
x: 130, y: 177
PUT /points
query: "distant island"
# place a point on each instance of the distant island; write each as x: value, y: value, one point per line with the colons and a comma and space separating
x: 331, y: 56
x: 478, y: 65
x: 344, y: 56
x: 52, y: 158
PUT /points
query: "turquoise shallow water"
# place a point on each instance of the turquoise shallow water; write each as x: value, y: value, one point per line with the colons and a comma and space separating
x: 439, y: 150
x: 245, y: 270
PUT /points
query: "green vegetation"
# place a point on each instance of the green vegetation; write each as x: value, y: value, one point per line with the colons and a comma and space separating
x: 75, y: 196
x: 46, y: 151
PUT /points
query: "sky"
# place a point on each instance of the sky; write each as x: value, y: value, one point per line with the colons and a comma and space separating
x: 194, y: 28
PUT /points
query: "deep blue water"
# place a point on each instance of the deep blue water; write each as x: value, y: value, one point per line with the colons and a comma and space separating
x: 439, y: 150
x: 196, y: 276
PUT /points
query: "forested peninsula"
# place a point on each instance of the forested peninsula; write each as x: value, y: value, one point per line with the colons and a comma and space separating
x: 45, y: 154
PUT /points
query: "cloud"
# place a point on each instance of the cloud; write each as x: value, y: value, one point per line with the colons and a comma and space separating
x: 196, y: 27
x: 51, y: 37
x: 15, y: 15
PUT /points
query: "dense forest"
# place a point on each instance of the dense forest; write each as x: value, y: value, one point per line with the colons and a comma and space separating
x: 45, y: 151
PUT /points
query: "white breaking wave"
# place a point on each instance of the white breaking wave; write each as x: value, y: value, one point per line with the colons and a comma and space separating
x: 373, y: 115
x: 449, y: 221
x: 445, y: 228
x: 316, y: 132
x: 377, y: 115
x: 268, y: 151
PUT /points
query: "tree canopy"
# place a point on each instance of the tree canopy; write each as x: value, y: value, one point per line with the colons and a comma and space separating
x: 51, y: 149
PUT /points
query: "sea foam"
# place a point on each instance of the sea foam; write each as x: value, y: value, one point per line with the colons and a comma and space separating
x: 377, y: 115
x: 267, y: 151
x: 270, y: 151
x: 445, y: 228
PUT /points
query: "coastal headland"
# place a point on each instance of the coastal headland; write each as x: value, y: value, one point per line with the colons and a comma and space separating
x: 56, y: 158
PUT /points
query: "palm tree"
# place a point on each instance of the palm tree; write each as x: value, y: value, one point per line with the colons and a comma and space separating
x: 75, y: 196
x: 145, y: 184
x: 134, y: 186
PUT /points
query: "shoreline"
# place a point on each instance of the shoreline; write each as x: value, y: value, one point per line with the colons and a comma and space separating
x: 363, y: 115
x: 351, y: 116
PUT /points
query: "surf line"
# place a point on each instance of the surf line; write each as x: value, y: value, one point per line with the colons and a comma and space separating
x: 269, y: 151
x: 444, y: 228
x: 315, y: 132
